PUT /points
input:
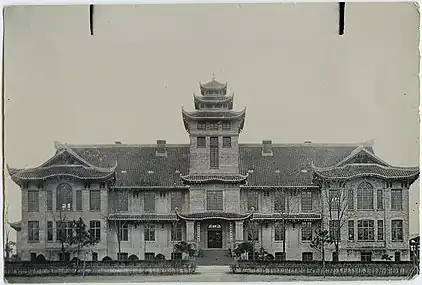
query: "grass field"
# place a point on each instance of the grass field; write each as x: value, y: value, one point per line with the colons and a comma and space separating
x: 204, y: 274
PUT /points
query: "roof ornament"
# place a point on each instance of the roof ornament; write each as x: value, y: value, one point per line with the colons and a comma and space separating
x: 213, y: 76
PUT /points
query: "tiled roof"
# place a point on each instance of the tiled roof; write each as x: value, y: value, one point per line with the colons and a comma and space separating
x: 213, y: 215
x: 290, y: 217
x: 367, y: 169
x: 289, y: 165
x: 196, y: 178
x: 17, y: 226
x: 213, y: 85
x: 207, y: 114
x: 207, y: 98
x: 138, y: 165
x: 76, y: 171
x: 143, y: 217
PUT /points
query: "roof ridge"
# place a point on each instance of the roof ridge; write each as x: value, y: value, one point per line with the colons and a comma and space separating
x: 304, y: 144
x: 111, y: 145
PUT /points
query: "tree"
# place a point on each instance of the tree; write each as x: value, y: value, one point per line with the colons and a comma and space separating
x: 252, y: 229
x: 337, y: 202
x: 283, y: 204
x: 320, y: 240
x: 8, y: 245
x: 184, y: 247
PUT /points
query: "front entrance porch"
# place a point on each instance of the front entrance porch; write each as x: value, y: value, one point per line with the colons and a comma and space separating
x: 215, y: 236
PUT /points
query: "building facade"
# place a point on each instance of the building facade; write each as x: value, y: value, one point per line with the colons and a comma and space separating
x: 215, y: 192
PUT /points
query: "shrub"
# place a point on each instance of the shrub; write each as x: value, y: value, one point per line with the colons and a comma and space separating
x: 133, y: 257
x: 107, y: 258
x: 160, y: 257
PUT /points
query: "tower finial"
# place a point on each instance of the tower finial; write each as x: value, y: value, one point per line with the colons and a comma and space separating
x: 213, y: 76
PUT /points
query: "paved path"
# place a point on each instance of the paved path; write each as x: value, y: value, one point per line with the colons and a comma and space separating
x: 204, y: 274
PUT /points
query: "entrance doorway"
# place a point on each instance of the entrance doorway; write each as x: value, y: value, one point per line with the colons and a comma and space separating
x: 215, y: 233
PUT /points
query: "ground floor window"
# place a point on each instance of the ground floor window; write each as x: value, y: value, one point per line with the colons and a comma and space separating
x: 280, y: 256
x: 94, y: 256
x: 176, y: 256
x: 307, y: 256
x: 33, y: 256
x: 397, y: 256
x: 335, y: 256
x: 122, y: 256
x: 149, y: 255
x: 366, y: 256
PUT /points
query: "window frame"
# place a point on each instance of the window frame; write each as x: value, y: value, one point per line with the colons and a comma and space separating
x: 306, y: 232
x: 216, y: 201
x: 33, y: 231
x: 370, y: 230
x: 33, y: 201
x: 149, y: 232
x: 95, y: 201
x: 365, y: 196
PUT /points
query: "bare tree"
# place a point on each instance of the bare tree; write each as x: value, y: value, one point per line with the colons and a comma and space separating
x: 337, y: 202
x: 252, y: 230
x: 320, y: 240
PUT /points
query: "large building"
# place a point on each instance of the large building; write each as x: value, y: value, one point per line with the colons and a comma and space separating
x: 215, y: 192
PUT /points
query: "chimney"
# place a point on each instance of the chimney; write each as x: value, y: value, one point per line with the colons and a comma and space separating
x: 117, y: 142
x: 267, y: 148
x: 161, y: 148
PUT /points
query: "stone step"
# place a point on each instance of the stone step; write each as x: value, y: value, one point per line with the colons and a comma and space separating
x: 215, y: 257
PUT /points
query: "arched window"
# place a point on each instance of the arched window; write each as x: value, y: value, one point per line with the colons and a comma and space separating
x: 64, y: 197
x: 214, y: 226
x: 365, y: 196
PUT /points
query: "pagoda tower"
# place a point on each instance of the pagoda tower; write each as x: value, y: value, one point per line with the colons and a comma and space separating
x: 214, y: 130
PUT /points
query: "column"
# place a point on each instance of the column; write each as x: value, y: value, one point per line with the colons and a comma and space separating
x: 239, y: 231
x: 231, y: 235
x: 198, y: 232
x: 190, y: 231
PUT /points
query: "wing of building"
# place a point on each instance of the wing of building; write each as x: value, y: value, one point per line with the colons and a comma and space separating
x: 215, y: 192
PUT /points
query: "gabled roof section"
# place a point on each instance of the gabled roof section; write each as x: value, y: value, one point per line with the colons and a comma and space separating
x: 362, y: 155
x: 66, y: 156
x: 213, y: 86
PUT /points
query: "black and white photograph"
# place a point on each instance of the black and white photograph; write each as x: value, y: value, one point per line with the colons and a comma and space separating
x: 211, y: 142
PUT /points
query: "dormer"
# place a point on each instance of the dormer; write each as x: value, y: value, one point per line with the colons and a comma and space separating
x: 267, y: 148
x: 161, y: 148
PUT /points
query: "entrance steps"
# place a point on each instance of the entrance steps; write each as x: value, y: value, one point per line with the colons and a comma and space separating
x: 215, y: 257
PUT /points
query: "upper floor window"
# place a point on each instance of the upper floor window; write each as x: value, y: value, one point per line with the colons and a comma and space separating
x: 306, y: 201
x: 350, y: 199
x: 334, y: 200
x: 33, y: 201
x: 201, y: 142
x: 365, y: 196
x: 215, y: 200
x: 396, y: 200
x: 380, y: 200
x: 95, y: 230
x: 149, y: 202
x: 213, y: 126
x: 149, y: 232
x: 280, y: 201
x: 33, y: 231
x: 227, y: 142
x: 78, y: 200
x: 365, y: 230
x: 214, y: 153
x: 64, y: 197
x: 124, y: 232
x: 253, y: 200
x: 94, y: 200
x: 49, y: 200
x: 397, y: 230
x: 201, y: 126
x: 123, y: 201
x: 176, y: 200
x: 307, y: 231
x: 227, y: 125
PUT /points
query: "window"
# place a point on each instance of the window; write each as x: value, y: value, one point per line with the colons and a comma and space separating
x: 122, y: 256
x: 33, y: 256
x: 64, y: 197
x: 162, y: 194
x: 201, y: 126
x: 149, y: 232
x: 334, y: 200
x: 397, y: 256
x: 380, y: 229
x: 176, y: 232
x: 306, y: 201
x: 176, y: 255
x: 366, y: 230
x: 397, y: 230
x: 94, y: 256
x: 365, y: 196
x: 307, y: 231
x: 64, y: 230
x: 49, y: 231
x: 95, y: 230
x: 380, y: 200
x: 123, y: 201
x: 149, y: 255
x: 33, y: 201
x: 49, y: 200
x: 124, y: 233
x: 102, y: 185
x: 396, y: 200
x: 351, y: 227
x: 149, y: 202
x: 227, y: 125
x: 280, y: 201
x: 350, y: 199
x: 33, y: 231
x: 78, y: 200
x: 279, y: 232
x: 94, y: 200
x: 201, y: 142
x: 214, y: 200
x: 307, y: 256
x: 280, y: 256
x: 253, y: 200
x: 177, y: 200
x: 366, y: 256
x: 227, y: 142
x: 213, y: 126
x: 334, y: 228
x: 214, y: 162
x: 87, y: 185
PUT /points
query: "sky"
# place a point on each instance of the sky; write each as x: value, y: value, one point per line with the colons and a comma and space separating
x: 299, y: 80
